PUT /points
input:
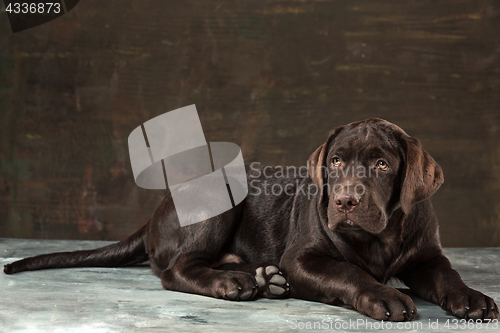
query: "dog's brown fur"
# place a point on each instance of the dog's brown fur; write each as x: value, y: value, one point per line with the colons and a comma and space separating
x: 332, y: 247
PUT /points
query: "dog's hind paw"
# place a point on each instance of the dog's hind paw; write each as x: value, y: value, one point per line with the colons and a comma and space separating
x: 238, y: 286
x: 272, y: 284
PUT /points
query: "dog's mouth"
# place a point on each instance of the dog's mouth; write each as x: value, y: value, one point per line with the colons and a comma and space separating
x: 348, y: 224
x: 370, y: 220
x: 353, y: 222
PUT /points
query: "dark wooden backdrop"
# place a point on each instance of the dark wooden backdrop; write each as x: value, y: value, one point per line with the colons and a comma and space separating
x: 272, y: 76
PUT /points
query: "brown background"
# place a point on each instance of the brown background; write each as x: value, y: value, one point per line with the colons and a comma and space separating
x: 272, y: 76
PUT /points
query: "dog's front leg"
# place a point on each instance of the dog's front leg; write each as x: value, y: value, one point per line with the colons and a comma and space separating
x: 435, y: 281
x: 316, y: 277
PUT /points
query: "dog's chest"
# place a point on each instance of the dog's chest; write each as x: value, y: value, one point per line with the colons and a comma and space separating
x: 378, y: 256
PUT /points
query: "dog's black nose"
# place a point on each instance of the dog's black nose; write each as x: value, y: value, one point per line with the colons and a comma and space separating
x: 346, y: 203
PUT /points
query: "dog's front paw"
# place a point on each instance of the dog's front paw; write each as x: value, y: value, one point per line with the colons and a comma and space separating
x: 272, y: 284
x: 470, y: 304
x: 386, y: 303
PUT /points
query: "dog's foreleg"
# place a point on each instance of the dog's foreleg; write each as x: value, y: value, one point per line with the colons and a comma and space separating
x: 316, y: 277
x: 435, y: 281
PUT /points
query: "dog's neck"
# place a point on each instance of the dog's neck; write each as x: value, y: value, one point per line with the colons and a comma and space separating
x: 377, y: 254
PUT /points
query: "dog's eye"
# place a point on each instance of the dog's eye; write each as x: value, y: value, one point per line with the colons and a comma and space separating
x: 336, y: 161
x: 382, y: 165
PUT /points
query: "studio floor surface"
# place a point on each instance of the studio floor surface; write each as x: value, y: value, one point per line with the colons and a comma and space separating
x: 133, y: 300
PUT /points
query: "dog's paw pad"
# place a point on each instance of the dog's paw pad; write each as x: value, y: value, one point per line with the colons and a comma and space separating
x: 272, y: 270
x: 261, y: 281
x: 275, y: 290
x: 278, y: 279
x: 272, y: 284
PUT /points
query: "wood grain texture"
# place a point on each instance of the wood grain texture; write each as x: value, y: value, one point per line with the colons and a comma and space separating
x: 274, y: 77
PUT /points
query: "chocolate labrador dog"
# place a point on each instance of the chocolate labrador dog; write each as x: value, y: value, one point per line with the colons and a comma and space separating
x: 360, y: 216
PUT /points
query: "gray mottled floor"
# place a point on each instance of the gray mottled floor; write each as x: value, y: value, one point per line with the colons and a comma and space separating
x: 132, y: 300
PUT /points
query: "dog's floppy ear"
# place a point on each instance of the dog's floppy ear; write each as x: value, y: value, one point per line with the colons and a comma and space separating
x: 422, y: 175
x: 317, y: 164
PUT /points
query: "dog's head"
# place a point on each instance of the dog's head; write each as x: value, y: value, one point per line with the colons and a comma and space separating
x: 368, y: 170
